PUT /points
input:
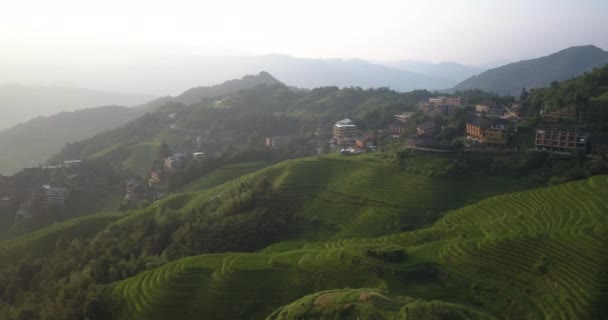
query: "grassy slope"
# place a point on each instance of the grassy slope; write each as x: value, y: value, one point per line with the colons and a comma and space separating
x: 140, y: 159
x: 223, y: 174
x: 533, y: 254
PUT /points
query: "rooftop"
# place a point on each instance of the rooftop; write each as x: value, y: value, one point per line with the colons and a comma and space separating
x: 482, y: 123
x: 427, y: 125
x: 344, y: 123
x: 562, y: 129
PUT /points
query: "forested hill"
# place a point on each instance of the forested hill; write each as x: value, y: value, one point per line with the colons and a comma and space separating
x: 195, y: 95
x: 584, y: 98
x: 536, y: 73
x: 32, y: 142
x: 241, y: 121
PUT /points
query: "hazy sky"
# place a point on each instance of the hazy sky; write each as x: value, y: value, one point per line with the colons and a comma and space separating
x: 467, y: 31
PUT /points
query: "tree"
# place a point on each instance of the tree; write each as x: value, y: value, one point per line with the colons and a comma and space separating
x: 524, y: 94
x: 163, y: 150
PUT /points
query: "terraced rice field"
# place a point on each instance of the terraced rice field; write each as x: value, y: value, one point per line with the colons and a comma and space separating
x: 365, y: 198
x: 209, y: 286
x: 548, y: 247
x: 537, y: 254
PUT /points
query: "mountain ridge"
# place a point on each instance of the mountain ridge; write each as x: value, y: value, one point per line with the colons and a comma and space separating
x: 510, y: 79
x: 30, y: 101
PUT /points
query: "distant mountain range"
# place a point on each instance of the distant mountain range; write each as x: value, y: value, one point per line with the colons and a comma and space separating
x: 31, y: 143
x: 536, y: 73
x: 166, y: 74
x: 449, y: 71
x: 19, y: 103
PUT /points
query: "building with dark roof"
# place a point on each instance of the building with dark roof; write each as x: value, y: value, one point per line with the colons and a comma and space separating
x: 428, y: 128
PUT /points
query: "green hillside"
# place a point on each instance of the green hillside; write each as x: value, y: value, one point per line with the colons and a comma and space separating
x: 294, y: 205
x: 536, y: 254
x: 224, y: 174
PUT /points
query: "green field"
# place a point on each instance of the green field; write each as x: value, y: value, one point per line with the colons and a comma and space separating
x: 535, y: 254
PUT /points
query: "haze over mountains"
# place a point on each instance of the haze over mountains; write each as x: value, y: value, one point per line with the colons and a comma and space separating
x: 452, y: 71
x: 162, y: 75
x: 32, y: 142
x: 540, y: 72
x: 20, y: 103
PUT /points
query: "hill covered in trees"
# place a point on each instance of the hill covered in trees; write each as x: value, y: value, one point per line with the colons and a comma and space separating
x: 510, y: 79
x: 33, y: 142
x: 195, y: 95
x: 585, y: 98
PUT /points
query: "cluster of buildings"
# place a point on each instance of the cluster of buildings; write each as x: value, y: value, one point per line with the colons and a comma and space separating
x: 40, y: 190
x: 44, y: 199
x: 152, y: 189
x: 137, y: 190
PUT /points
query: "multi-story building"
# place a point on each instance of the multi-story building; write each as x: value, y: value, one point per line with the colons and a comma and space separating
x: 345, y: 132
x: 56, y: 196
x: 277, y: 142
x: 446, y: 101
x: 396, y: 129
x: 176, y: 162
x: 561, y: 139
x: 47, y: 197
x: 487, y: 132
x: 439, y: 101
x: 489, y: 109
